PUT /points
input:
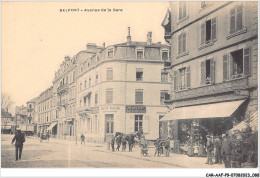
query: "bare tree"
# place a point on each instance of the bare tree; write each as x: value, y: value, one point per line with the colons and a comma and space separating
x: 6, y: 101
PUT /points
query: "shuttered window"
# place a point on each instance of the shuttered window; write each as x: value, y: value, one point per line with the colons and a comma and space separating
x: 96, y: 98
x: 208, y: 31
x: 207, y: 72
x: 236, y: 19
x: 164, y: 76
x: 138, y: 122
x: 182, y: 10
x: 138, y: 96
x: 110, y: 54
x: 110, y: 74
x: 109, y: 96
x: 164, y: 95
x: 182, y: 45
x: 182, y: 79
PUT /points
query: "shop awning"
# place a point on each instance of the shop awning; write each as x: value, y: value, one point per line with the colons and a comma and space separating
x: 214, y: 110
x: 52, y: 125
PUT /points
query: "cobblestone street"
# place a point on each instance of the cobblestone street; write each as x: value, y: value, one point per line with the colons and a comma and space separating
x: 64, y: 154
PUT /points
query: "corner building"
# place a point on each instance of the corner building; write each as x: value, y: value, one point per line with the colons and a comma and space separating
x: 122, y: 89
x: 214, y: 59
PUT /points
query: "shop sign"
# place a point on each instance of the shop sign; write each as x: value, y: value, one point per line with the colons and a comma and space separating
x: 110, y: 108
x: 95, y: 110
x: 135, y: 109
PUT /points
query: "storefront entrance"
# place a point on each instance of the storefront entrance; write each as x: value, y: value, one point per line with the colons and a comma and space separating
x: 109, y: 126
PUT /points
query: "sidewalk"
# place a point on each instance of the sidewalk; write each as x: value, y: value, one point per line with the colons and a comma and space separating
x: 180, y: 160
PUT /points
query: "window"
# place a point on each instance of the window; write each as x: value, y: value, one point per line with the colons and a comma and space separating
x: 80, y: 103
x: 74, y: 75
x: 182, y: 79
x: 164, y: 95
x: 207, y: 71
x: 110, y: 53
x: 138, y: 122
x: 85, y: 100
x: 165, y: 55
x: 182, y: 10
x: 209, y: 31
x: 140, y: 54
x: 237, y: 64
x: 182, y: 43
x: 85, y: 84
x: 138, y: 96
x: 96, y: 98
x: 96, y: 78
x: 80, y: 87
x: 88, y: 124
x: 164, y: 76
x: 98, y: 57
x: 109, y: 96
x: 139, y: 74
x: 89, y: 83
x: 236, y: 19
x: 109, y: 74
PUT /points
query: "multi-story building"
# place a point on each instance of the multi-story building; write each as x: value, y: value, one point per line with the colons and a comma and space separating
x: 7, y: 121
x: 64, y: 92
x: 31, y: 113
x: 46, y: 111
x: 21, y: 116
x: 122, y: 89
x: 213, y: 64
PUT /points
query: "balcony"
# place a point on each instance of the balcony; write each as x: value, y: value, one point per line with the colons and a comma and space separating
x: 62, y: 89
x: 84, y: 109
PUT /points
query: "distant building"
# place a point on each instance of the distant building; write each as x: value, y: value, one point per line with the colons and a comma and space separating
x: 7, y: 121
x: 214, y: 61
x: 21, y: 116
x: 122, y: 88
x: 31, y: 105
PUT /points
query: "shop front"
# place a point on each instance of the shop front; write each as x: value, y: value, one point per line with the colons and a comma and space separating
x: 189, y: 125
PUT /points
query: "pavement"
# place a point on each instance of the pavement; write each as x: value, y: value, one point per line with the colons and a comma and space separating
x: 63, y: 153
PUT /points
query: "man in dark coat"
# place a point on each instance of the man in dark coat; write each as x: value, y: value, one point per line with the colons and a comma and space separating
x: 226, y: 151
x: 217, y: 146
x: 113, y: 143
x: 210, y: 148
x: 19, y: 140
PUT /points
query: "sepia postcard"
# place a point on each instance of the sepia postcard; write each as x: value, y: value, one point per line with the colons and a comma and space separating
x: 130, y: 85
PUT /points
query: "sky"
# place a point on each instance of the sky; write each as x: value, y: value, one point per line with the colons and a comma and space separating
x: 36, y: 36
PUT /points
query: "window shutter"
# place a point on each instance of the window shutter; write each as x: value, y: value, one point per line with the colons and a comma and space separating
x: 214, y: 28
x: 179, y: 43
x: 232, y: 20
x: 203, y: 33
x: 146, y: 124
x: 139, y: 97
x: 180, y: 10
x: 188, y: 76
x: 175, y: 80
x: 225, y: 67
x: 247, y: 59
x: 239, y: 18
x: 184, y: 36
x: 203, y: 73
x: 131, y: 123
x: 212, y: 71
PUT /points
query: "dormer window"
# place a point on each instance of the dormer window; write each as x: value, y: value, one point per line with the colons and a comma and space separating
x: 140, y: 53
x: 110, y: 53
x: 98, y: 57
x: 165, y: 55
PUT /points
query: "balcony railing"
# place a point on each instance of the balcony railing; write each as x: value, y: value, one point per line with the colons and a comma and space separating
x: 63, y: 102
x: 84, y: 108
x: 63, y: 88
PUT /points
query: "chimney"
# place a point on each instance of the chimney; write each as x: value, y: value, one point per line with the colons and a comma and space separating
x: 104, y: 45
x: 149, y: 38
x: 91, y: 46
x: 128, y: 37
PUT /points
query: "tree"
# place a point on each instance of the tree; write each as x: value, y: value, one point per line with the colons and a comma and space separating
x: 6, y: 101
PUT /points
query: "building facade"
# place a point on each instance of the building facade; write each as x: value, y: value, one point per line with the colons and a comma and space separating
x: 45, y: 110
x: 213, y: 64
x: 122, y: 89
x: 21, y: 116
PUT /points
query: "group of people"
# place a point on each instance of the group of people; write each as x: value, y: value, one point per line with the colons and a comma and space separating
x: 44, y: 136
x: 122, y: 139
x: 161, y: 146
x: 220, y: 148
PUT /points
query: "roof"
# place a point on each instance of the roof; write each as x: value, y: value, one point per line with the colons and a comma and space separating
x: 140, y: 43
x: 32, y: 100
x: 5, y: 114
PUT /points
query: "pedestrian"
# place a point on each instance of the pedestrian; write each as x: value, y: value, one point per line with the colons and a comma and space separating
x: 201, y: 151
x: 123, y: 140
x: 167, y: 147
x: 217, y: 147
x: 210, y: 148
x: 82, y: 139
x: 131, y: 141
x: 47, y: 136
x: 157, y: 147
x: 113, y: 143
x: 19, y: 140
x: 41, y: 136
x: 118, y: 141
x: 226, y: 151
